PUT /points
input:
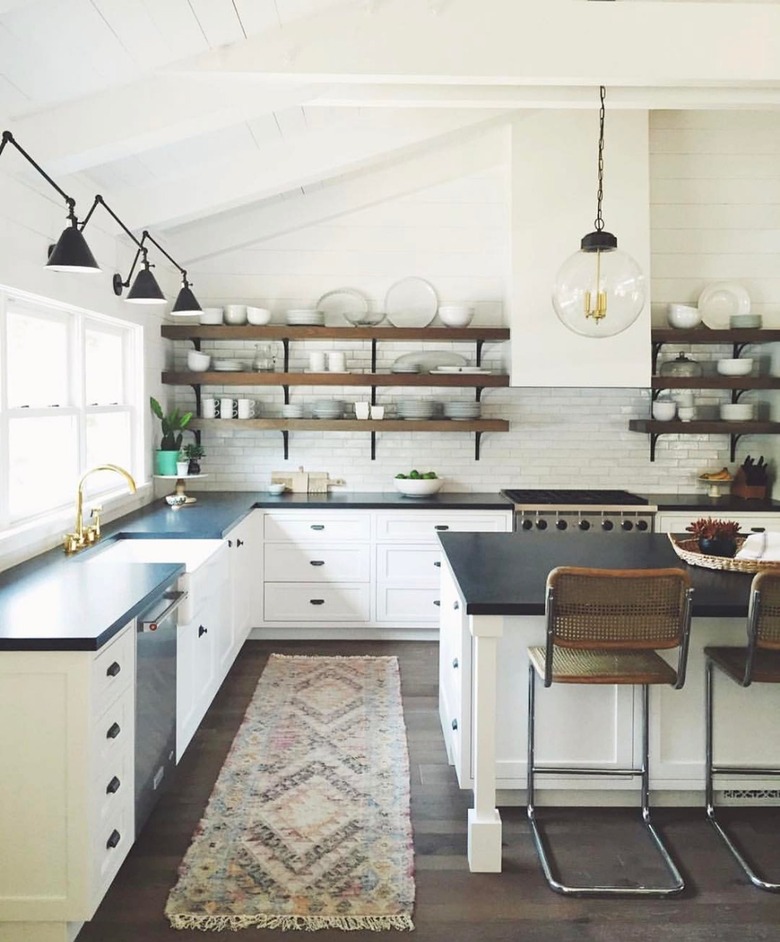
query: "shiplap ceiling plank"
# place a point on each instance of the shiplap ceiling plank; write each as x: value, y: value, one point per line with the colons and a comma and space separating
x: 219, y: 21
x: 257, y: 15
x: 178, y: 24
x: 133, y: 25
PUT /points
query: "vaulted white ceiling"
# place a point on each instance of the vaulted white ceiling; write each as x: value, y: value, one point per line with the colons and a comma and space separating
x: 188, y: 114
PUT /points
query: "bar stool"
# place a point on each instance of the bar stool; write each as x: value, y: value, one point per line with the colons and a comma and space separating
x: 759, y: 662
x: 604, y: 626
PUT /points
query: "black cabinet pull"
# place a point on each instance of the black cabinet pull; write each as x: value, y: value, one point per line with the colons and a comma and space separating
x: 230, y: 544
x: 318, y: 526
x: 114, y: 839
x: 113, y: 669
x: 316, y: 562
x: 202, y: 631
x: 437, y: 564
x: 239, y: 542
x: 316, y: 601
x: 455, y: 663
x: 456, y: 606
x: 436, y: 602
x: 113, y: 786
x: 441, y: 526
x: 454, y: 724
x: 113, y: 731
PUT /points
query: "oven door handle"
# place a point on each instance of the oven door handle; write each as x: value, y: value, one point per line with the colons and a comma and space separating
x: 150, y: 624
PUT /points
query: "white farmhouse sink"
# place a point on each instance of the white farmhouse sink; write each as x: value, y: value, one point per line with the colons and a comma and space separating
x: 193, y: 553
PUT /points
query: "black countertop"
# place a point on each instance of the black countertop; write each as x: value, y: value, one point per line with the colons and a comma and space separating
x: 707, y: 506
x: 54, y: 602
x: 505, y: 573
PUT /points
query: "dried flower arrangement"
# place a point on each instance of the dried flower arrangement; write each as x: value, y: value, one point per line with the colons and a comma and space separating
x: 707, y: 528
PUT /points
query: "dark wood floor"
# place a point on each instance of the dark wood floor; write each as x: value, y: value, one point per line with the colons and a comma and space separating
x: 453, y: 904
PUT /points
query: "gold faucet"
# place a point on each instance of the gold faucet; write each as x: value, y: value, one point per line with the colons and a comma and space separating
x: 84, y: 536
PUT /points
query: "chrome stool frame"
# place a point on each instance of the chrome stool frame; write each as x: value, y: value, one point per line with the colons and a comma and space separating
x: 682, y: 617
x: 744, y: 666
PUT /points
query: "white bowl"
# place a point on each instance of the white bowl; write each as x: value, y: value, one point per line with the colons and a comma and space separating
x: 235, y: 314
x: 683, y: 316
x: 258, y: 316
x: 276, y: 489
x: 175, y: 500
x: 456, y: 315
x: 417, y: 487
x: 198, y: 362
x: 739, y: 367
x: 664, y: 411
x: 737, y: 411
x: 211, y: 315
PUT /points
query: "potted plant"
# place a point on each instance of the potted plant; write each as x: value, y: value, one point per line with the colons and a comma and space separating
x: 716, y: 537
x: 193, y: 452
x: 173, y: 424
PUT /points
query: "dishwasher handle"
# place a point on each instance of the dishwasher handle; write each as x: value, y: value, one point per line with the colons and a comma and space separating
x: 151, y: 624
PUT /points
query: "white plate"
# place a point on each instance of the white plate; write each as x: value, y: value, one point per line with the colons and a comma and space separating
x: 411, y: 302
x: 461, y: 369
x: 346, y: 302
x: 720, y: 301
x: 425, y: 362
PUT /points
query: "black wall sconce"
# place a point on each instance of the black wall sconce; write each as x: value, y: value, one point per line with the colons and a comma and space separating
x: 186, y: 302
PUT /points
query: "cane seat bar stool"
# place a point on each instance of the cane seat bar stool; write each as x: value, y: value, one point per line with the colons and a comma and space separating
x: 759, y: 662
x: 604, y: 626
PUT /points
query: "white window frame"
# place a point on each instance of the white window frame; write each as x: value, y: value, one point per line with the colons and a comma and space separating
x: 78, y: 320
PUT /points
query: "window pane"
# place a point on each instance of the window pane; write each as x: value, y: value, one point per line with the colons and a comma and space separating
x: 104, y: 367
x: 108, y: 442
x: 37, y: 361
x: 43, y: 464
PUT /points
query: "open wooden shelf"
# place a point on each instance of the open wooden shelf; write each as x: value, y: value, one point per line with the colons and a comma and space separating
x: 715, y: 381
x: 230, y: 378
x: 735, y: 430
x: 707, y: 335
x: 283, y: 332
x: 358, y: 425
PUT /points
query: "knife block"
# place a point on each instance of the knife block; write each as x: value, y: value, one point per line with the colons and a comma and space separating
x: 740, y: 488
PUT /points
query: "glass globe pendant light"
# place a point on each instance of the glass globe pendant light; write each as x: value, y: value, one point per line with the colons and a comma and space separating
x: 600, y: 290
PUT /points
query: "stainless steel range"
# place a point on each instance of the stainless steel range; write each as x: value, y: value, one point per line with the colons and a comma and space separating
x: 594, y: 511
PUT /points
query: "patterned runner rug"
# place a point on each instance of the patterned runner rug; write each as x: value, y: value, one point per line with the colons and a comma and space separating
x: 308, y: 825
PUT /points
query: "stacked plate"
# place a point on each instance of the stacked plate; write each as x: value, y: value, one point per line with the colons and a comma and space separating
x: 416, y: 408
x: 462, y: 411
x: 328, y: 409
x: 228, y: 366
x: 305, y: 317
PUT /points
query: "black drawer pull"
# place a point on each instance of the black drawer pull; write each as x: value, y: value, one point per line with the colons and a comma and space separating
x: 202, y: 631
x: 437, y: 564
x: 113, y: 731
x: 113, y: 669
x: 456, y: 605
x: 436, y: 602
x: 316, y: 562
x: 318, y: 526
x: 455, y: 663
x: 316, y: 601
x: 114, y: 839
x: 239, y: 542
x: 454, y: 724
x: 441, y: 526
x: 113, y: 786
x: 230, y: 544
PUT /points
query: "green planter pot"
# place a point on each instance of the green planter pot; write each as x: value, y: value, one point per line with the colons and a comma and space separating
x: 165, y: 462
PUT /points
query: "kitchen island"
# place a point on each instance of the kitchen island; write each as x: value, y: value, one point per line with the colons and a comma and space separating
x: 493, y: 588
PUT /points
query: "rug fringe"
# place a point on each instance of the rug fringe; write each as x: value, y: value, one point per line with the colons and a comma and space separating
x: 285, y: 923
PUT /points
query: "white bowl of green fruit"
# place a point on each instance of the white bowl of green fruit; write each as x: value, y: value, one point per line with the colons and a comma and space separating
x: 418, y: 483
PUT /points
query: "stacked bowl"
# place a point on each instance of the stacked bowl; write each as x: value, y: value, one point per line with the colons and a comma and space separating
x: 328, y: 409
x: 462, y: 410
x: 305, y: 317
x: 419, y: 409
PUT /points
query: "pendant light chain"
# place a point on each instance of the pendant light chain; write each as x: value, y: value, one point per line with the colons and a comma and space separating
x: 599, y: 223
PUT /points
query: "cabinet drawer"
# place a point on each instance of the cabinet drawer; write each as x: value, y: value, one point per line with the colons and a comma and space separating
x: 407, y: 604
x: 113, y: 668
x: 317, y: 527
x: 310, y: 601
x: 113, y: 733
x: 424, y: 525
x: 288, y: 563
x: 114, y: 783
x: 113, y: 838
x: 404, y: 565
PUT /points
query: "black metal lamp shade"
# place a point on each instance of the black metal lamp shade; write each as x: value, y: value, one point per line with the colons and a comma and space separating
x: 71, y: 253
x: 145, y: 289
x: 186, y: 302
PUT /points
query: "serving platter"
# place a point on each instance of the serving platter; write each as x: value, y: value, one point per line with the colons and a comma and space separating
x: 722, y: 300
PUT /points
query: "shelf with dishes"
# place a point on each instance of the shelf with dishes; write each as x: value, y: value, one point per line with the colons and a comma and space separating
x: 739, y: 338
x: 326, y: 378
x: 735, y: 430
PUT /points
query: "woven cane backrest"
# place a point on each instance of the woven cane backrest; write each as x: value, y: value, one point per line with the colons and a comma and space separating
x: 768, y: 614
x: 618, y: 608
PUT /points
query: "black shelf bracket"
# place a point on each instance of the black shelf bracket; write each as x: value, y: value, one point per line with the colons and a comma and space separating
x: 657, y: 345
x: 286, y: 395
x: 737, y: 349
x: 373, y: 446
x: 373, y: 354
x: 734, y: 440
x: 286, y: 348
x: 196, y: 342
x: 477, y: 441
x: 654, y: 436
x: 196, y: 390
x: 480, y: 344
x: 286, y: 438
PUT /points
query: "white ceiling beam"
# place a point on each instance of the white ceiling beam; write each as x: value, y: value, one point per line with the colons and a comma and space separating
x: 279, y: 168
x: 144, y: 115
x: 558, y: 42
x: 451, y: 159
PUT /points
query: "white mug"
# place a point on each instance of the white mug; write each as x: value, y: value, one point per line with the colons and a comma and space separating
x: 361, y: 410
x: 377, y: 412
x: 246, y: 408
x: 317, y: 361
x: 228, y: 408
x: 210, y: 408
x: 337, y: 362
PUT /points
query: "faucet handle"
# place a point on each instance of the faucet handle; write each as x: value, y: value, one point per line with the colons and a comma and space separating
x: 95, y: 513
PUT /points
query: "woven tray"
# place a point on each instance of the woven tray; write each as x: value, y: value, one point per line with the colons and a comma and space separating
x: 689, y: 551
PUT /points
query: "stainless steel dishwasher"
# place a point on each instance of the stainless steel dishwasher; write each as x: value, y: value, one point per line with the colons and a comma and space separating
x: 155, y: 702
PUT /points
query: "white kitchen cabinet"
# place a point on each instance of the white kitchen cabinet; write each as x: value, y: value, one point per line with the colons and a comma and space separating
x: 204, y: 643
x: 67, y: 790
x: 245, y: 553
x: 676, y: 521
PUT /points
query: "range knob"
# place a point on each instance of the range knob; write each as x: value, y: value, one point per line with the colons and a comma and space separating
x: 527, y: 524
x: 641, y: 524
x: 561, y: 524
x: 607, y: 524
x: 541, y: 524
x: 626, y: 525
x: 584, y: 524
